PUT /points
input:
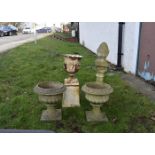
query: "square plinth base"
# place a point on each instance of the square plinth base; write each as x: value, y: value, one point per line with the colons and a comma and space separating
x: 55, y: 117
x: 71, y: 97
x: 91, y: 117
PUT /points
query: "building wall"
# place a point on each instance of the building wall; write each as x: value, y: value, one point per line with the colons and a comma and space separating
x: 130, y: 46
x: 146, y: 63
x: 93, y: 33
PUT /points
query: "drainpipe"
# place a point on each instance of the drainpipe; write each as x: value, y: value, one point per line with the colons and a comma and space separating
x: 77, y: 32
x: 138, y: 55
x: 119, y: 54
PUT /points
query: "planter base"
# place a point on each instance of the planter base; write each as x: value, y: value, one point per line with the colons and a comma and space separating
x: 101, y: 117
x: 51, y: 117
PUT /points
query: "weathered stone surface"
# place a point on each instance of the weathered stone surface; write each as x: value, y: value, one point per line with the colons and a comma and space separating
x: 51, y: 116
x: 71, y: 81
x: 72, y: 63
x: 71, y: 94
x: 98, y: 89
x: 96, y: 114
x: 103, y: 50
x: 101, y: 63
x: 98, y: 92
x: 100, y: 117
x: 50, y: 93
x: 71, y: 97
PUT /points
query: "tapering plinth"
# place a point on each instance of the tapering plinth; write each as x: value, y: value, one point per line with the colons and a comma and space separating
x: 71, y: 96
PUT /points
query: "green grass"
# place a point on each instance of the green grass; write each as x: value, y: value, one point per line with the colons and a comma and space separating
x: 64, y: 35
x: 23, y: 67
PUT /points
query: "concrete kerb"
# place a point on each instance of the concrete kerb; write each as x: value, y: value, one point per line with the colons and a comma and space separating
x: 24, y: 131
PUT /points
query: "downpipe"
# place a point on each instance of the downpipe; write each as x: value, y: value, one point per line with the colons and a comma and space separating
x: 119, y: 54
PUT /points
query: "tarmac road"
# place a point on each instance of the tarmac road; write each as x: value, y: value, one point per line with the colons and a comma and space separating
x: 9, y: 42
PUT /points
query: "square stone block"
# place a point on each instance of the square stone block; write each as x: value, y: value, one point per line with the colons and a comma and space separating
x: 51, y: 117
x: 91, y: 117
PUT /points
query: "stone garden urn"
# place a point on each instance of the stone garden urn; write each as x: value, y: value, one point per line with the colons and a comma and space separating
x: 71, y: 94
x: 50, y: 93
x: 97, y: 92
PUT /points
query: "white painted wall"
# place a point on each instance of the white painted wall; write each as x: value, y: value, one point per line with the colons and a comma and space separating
x: 92, y: 34
x: 130, y: 46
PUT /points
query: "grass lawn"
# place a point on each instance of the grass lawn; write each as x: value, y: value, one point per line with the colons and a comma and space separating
x: 23, y: 67
x: 64, y: 35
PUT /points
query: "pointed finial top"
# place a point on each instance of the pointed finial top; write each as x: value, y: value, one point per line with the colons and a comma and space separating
x: 103, y: 50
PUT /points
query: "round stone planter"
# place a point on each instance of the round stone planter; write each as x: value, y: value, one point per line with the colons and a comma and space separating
x: 50, y: 93
x: 96, y: 94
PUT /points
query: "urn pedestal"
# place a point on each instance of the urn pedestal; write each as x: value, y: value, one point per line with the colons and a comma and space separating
x: 71, y: 95
x: 96, y: 114
x: 97, y: 94
x: 50, y: 93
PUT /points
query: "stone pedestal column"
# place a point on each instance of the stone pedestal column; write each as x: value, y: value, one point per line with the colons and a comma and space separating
x: 71, y: 95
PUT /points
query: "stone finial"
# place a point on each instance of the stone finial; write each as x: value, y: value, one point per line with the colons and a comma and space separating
x: 103, y: 50
x: 101, y: 62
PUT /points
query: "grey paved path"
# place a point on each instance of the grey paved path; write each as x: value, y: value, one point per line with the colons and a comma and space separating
x: 140, y: 85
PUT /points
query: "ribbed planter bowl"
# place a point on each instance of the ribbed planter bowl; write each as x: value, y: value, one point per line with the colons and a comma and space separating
x: 97, y: 94
x: 50, y: 93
